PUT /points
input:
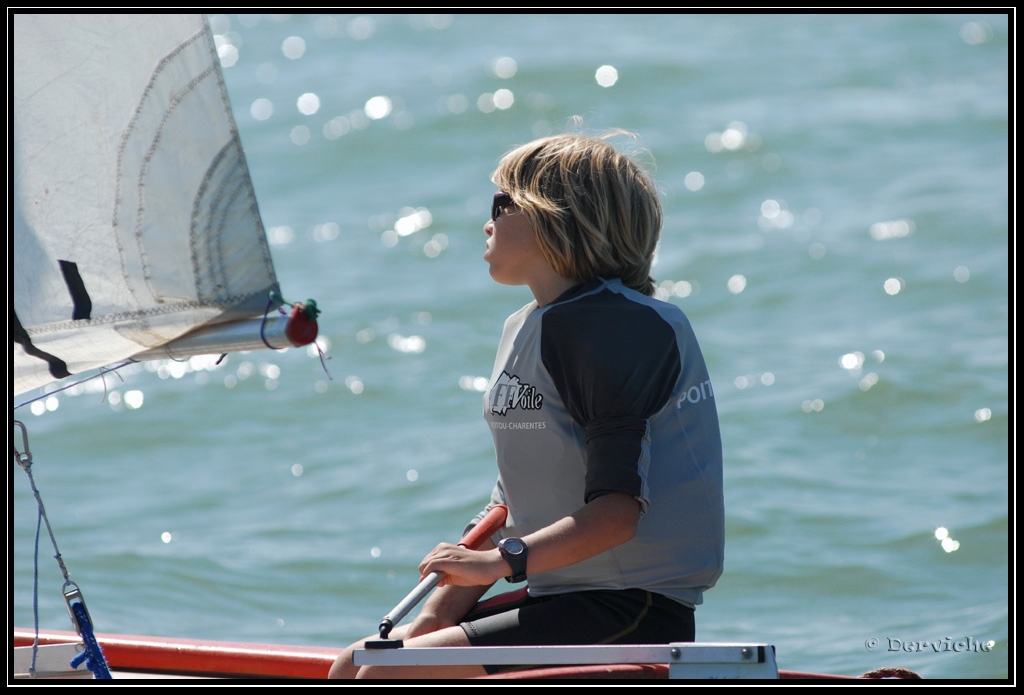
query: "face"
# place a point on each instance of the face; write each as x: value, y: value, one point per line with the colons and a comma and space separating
x: 512, y: 249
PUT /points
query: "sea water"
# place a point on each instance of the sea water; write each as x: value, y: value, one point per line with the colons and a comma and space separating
x: 836, y: 228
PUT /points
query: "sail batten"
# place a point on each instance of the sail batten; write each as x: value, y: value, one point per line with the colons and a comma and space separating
x: 135, y: 221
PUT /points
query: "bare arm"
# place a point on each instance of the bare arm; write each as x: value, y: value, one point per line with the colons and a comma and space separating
x: 605, y: 523
x: 447, y: 605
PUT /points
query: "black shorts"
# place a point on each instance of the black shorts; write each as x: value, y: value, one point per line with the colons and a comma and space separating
x: 628, y: 616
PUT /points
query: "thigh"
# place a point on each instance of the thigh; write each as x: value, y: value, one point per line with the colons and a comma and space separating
x: 631, y: 616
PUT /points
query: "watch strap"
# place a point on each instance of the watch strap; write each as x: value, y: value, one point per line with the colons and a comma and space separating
x: 516, y: 561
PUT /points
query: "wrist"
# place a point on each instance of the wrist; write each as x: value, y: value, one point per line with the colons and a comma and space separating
x: 498, y: 567
x: 514, y: 552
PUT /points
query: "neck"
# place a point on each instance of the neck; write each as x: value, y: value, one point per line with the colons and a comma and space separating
x: 551, y: 287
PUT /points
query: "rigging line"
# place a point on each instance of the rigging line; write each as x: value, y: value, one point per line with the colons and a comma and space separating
x: 35, y: 596
x: 24, y: 459
x: 322, y: 358
x: 266, y: 312
x: 101, y: 373
x: 93, y: 656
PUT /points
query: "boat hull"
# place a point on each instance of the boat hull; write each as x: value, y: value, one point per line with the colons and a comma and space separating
x: 131, y: 656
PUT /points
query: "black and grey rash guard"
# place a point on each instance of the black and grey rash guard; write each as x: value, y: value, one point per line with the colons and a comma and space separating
x: 606, y: 390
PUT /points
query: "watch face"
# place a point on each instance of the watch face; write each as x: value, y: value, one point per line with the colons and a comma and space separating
x: 513, y: 545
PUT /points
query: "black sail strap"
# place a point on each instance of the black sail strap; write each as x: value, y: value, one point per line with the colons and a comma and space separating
x: 58, y: 368
x: 82, y: 309
x: 76, y: 286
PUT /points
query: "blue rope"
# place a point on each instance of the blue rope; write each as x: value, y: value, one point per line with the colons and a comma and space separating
x: 93, y: 654
x: 266, y: 312
x: 322, y: 357
x: 35, y: 593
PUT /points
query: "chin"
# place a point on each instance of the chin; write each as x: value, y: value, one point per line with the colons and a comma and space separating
x: 497, y: 277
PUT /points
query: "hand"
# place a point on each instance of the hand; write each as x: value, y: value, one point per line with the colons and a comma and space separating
x: 462, y: 567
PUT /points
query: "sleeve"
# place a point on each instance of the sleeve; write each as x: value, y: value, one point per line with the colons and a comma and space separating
x: 615, y: 364
x: 497, y: 497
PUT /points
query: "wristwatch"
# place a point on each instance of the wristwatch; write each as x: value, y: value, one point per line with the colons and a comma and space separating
x: 513, y: 550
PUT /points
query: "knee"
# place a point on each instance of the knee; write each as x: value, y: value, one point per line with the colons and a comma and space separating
x: 343, y: 667
x: 374, y: 673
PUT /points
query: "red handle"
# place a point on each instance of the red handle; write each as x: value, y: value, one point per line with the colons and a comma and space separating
x: 488, y: 526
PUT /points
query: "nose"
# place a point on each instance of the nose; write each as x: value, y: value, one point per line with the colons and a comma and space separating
x: 489, y: 227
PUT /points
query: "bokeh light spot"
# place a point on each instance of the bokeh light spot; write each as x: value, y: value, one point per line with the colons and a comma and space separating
x: 293, y: 48
x: 606, y: 76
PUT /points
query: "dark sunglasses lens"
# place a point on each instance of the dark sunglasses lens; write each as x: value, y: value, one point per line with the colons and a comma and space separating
x: 501, y: 200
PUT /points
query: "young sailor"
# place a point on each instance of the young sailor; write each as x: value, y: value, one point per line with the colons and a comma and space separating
x: 604, y: 424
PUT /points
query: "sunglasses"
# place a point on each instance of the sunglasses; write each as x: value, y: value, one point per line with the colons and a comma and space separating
x: 501, y: 201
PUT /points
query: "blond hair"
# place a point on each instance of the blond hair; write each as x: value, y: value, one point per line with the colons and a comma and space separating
x: 594, y: 210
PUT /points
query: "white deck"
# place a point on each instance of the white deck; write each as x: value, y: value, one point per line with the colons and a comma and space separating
x: 685, y: 660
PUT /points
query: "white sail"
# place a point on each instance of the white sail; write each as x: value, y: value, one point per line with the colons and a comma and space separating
x: 133, y: 212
